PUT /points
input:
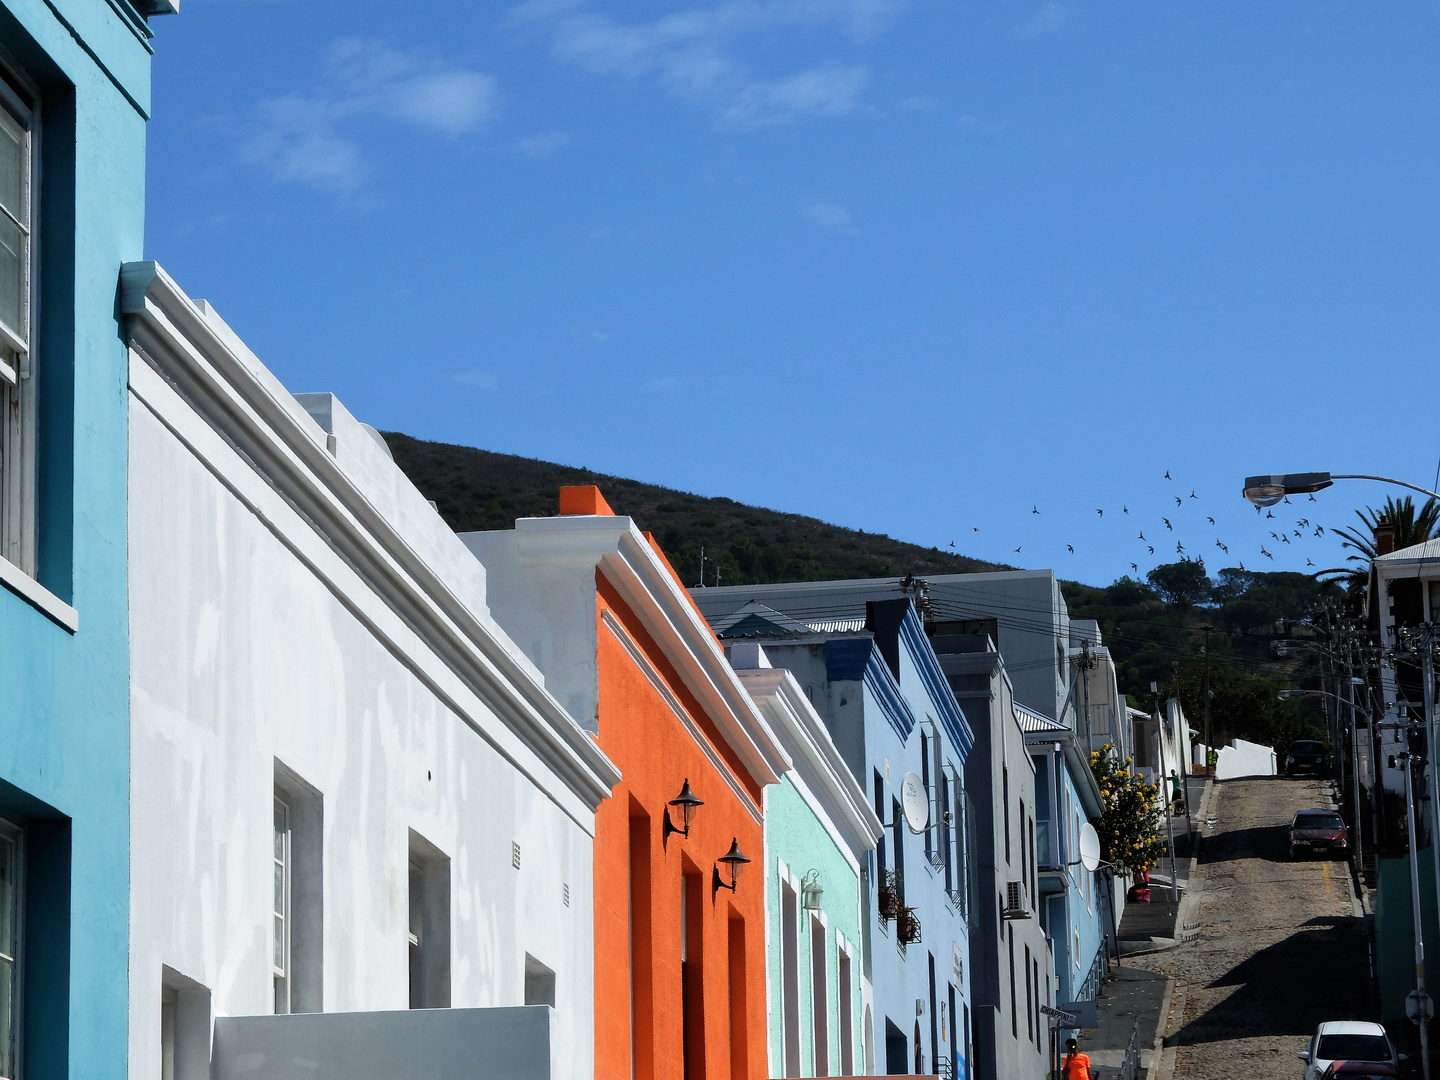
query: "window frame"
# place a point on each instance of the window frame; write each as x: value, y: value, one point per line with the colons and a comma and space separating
x: 280, y: 941
x: 13, y: 832
x: 18, y: 441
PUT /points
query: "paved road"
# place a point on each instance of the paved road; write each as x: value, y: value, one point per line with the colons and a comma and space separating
x: 1279, y: 946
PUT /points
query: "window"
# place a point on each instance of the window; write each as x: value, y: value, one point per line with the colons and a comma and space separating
x: 1029, y: 999
x: 280, y: 958
x: 1005, y: 802
x: 297, y: 963
x: 846, y: 1007
x: 429, y: 925
x: 790, y: 976
x: 819, y: 998
x: 17, y: 385
x: 10, y: 900
x: 692, y: 975
x: 925, y: 782
x: 739, y: 1028
x: 1014, y: 1014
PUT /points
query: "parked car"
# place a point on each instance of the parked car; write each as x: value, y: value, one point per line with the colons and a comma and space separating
x: 1305, y: 756
x: 1348, y: 1041
x: 1318, y: 831
x: 1360, y: 1070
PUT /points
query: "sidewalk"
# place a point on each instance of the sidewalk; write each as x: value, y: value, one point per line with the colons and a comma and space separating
x: 1157, y: 925
x: 1131, y: 1003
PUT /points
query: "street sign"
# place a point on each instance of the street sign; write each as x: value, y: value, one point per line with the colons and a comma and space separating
x: 1064, y: 1019
x: 1418, y: 1002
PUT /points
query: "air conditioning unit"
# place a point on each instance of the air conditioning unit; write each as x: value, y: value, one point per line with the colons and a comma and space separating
x: 1017, y: 903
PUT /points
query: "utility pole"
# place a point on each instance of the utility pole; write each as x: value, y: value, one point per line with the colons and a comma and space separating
x: 1165, y: 799
x: 1082, y: 665
x: 1354, y: 762
x: 1415, y: 912
x: 702, y: 566
x: 1205, y: 697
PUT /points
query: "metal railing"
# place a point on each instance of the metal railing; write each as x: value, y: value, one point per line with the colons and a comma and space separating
x: 1130, y: 1067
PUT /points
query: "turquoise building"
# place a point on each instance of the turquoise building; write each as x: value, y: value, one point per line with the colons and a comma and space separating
x: 74, y: 99
x: 819, y: 832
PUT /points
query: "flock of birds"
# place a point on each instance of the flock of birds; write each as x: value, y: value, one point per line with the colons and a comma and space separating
x: 1280, y: 533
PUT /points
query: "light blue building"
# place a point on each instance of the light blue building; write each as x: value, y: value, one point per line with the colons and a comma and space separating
x: 1075, y: 905
x: 882, y: 694
x: 74, y: 99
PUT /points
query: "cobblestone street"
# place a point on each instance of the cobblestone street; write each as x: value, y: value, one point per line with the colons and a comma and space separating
x: 1276, y: 947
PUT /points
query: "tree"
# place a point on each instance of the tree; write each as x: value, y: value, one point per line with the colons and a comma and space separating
x: 1183, y: 584
x: 1410, y: 529
x: 1130, y: 824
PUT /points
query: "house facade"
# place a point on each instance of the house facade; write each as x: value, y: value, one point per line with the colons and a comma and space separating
x: 875, y: 682
x: 363, y: 827
x: 819, y: 832
x: 74, y: 102
x: 680, y: 958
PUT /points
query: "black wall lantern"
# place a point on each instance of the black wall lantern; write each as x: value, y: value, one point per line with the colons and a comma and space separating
x: 685, y: 804
x: 736, y: 861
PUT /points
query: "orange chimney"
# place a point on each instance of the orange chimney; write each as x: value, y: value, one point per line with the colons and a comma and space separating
x: 584, y: 499
x: 1384, y: 536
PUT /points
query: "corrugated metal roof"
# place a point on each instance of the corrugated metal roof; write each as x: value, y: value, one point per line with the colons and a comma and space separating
x: 836, y: 626
x: 1032, y: 722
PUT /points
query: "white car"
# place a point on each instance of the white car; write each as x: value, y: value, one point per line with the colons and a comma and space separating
x: 1347, y: 1040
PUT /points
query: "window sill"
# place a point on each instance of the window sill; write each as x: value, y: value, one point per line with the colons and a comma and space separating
x: 37, y: 596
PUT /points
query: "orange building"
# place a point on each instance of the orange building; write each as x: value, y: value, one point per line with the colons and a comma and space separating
x: 679, y: 954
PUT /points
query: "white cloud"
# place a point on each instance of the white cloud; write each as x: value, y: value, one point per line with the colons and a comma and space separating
x: 314, y: 137
x: 692, y: 53
x: 1048, y: 18
x: 543, y: 144
x: 831, y: 217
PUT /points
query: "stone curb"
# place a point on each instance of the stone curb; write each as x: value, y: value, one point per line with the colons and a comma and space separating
x: 1159, y: 1052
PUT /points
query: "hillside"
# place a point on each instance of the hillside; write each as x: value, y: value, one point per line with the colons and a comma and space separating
x: 477, y: 489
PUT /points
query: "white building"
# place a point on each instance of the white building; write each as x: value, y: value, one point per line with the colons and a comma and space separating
x: 362, y: 828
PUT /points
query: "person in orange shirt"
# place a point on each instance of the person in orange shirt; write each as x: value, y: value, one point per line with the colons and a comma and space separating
x: 1077, y: 1065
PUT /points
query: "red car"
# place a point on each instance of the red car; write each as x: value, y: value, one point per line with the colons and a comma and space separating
x: 1360, y: 1070
x: 1318, y: 830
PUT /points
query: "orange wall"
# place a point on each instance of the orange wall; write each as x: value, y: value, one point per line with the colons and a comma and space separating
x: 656, y: 753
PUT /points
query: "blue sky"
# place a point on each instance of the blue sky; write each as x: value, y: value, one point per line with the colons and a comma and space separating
x: 914, y: 266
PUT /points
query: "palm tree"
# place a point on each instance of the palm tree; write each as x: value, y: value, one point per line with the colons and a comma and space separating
x: 1411, y: 528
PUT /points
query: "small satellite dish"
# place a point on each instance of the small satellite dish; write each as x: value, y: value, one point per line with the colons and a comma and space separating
x: 1089, y: 846
x: 915, y: 802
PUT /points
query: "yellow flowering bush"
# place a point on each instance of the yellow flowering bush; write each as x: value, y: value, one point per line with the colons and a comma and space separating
x: 1130, y: 827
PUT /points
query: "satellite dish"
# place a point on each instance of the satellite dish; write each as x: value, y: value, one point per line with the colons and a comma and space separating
x: 1089, y: 846
x: 915, y: 802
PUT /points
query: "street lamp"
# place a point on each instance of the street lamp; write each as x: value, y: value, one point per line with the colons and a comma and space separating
x: 686, y: 803
x: 736, y: 861
x: 1269, y: 490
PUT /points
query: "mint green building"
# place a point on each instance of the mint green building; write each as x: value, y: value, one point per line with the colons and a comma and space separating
x: 819, y: 829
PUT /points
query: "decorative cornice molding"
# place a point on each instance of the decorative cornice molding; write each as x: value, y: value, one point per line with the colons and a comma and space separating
x: 247, y: 409
x: 620, y: 551
x: 641, y: 661
x: 814, y: 754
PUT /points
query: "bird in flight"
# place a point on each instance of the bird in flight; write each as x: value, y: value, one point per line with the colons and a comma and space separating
x: 1142, y: 536
x: 1284, y: 539
x: 1309, y: 563
x: 1304, y: 523
x: 1265, y: 553
x: 1167, y: 474
x: 1242, y: 566
x: 1312, y: 498
x: 1222, y: 547
x: 1017, y: 550
x: 952, y: 543
x: 1210, y: 520
x: 1287, y: 500
x: 1193, y: 495
x: 1070, y: 548
x: 1167, y: 524
x: 1152, y: 548
x: 977, y: 528
x: 1297, y: 532
x: 1134, y: 567
x: 1100, y: 512
x: 1178, y: 500
x: 1274, y: 535
x: 1034, y: 509
x: 1124, y: 509
x: 1179, y: 548
x: 1268, y: 514
x: 1319, y: 530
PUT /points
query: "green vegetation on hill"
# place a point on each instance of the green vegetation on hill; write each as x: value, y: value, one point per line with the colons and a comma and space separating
x: 1154, y: 628
x: 477, y: 489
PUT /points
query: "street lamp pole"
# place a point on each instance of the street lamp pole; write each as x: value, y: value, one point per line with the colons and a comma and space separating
x: 1415, y: 916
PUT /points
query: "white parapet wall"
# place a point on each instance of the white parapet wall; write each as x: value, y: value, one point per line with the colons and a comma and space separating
x: 1241, y: 758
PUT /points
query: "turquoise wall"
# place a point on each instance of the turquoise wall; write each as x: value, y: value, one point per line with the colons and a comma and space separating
x: 795, y: 836
x: 1395, y: 934
x: 64, y: 742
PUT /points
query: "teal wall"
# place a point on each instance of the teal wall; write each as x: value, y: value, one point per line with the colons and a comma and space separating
x: 64, y: 740
x: 1395, y: 934
x: 795, y: 836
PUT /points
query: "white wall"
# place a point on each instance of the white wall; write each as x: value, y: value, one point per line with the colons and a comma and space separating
x: 245, y: 654
x: 1241, y: 758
